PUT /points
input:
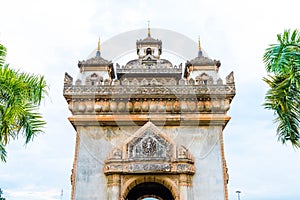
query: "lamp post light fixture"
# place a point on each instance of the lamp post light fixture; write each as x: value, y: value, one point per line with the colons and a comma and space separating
x: 238, y: 193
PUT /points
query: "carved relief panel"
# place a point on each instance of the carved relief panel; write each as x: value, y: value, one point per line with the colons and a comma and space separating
x: 149, y: 146
x: 149, y: 151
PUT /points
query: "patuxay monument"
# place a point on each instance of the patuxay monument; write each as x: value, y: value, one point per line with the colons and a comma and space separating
x: 149, y: 129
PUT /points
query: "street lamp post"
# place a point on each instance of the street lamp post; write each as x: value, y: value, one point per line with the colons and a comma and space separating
x: 238, y: 193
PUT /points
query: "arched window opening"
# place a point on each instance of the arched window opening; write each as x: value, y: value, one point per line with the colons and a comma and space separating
x: 148, y: 51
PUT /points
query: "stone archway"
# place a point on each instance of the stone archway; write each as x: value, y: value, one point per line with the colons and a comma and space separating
x: 170, y: 183
x: 149, y: 189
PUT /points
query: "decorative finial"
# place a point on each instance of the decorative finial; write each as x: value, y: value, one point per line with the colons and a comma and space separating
x: 99, y: 47
x: 149, y: 28
x: 199, y: 47
x: 98, y: 53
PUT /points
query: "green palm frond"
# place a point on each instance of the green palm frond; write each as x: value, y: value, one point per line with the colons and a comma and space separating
x: 282, y: 57
x: 283, y: 97
x: 31, y: 122
x: 20, y: 97
x: 2, y: 55
x: 3, y: 152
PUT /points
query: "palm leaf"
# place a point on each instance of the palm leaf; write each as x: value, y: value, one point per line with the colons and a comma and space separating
x: 3, y: 152
x: 281, y: 57
x: 283, y: 98
x: 20, y: 97
x: 2, y: 55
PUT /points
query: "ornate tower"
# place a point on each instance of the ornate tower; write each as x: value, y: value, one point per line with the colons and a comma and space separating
x: 149, y: 128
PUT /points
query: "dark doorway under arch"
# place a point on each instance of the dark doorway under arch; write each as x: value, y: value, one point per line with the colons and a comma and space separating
x: 149, y: 189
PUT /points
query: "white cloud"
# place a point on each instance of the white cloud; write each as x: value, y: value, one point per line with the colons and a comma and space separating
x: 33, y: 193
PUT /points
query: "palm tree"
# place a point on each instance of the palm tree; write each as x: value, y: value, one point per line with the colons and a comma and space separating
x: 282, y: 61
x: 20, y: 97
x: 1, y: 198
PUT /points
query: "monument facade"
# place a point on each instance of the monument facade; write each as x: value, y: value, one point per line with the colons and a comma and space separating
x: 149, y: 128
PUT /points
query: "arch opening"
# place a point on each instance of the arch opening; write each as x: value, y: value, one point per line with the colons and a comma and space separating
x: 149, y: 190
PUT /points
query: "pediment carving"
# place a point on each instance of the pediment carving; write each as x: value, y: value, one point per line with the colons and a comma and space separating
x: 149, y: 151
x: 149, y: 146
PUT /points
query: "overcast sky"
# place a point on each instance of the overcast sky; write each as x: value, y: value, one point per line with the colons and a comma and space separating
x: 49, y: 37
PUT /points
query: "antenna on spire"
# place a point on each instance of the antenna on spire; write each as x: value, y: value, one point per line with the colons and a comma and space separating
x: 199, y: 47
x: 98, y: 53
x: 149, y: 29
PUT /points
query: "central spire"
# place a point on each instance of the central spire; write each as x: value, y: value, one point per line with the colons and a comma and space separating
x: 199, y: 48
x: 98, y: 53
x: 149, y: 29
x: 99, y: 44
